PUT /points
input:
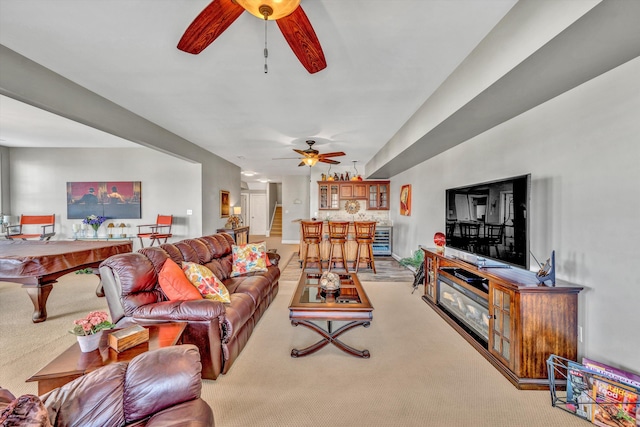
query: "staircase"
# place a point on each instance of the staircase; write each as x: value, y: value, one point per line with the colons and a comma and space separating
x: 276, y: 226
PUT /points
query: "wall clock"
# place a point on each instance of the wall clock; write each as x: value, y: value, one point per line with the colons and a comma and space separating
x: 352, y: 206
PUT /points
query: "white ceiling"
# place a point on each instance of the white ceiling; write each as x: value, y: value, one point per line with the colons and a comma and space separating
x: 384, y: 60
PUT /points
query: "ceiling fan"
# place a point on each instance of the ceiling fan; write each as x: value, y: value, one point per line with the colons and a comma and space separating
x: 311, y: 156
x: 288, y: 14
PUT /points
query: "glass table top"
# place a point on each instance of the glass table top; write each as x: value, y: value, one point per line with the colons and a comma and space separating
x: 312, y: 293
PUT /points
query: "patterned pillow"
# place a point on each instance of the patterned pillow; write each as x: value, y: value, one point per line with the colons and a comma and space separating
x: 175, y: 284
x: 26, y: 411
x: 207, y: 283
x: 249, y: 258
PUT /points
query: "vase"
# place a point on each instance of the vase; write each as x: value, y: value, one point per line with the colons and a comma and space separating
x: 89, y: 343
x: 95, y: 233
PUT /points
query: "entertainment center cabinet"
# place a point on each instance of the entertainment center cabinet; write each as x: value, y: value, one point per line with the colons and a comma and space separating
x: 505, y: 314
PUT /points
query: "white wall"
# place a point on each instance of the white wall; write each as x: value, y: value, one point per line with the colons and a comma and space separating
x: 38, y: 180
x: 294, y: 188
x: 583, y: 152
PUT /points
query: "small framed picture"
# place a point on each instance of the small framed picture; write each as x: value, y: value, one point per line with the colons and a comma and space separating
x: 224, y: 204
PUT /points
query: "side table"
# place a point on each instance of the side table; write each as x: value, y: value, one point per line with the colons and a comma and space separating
x: 73, y: 363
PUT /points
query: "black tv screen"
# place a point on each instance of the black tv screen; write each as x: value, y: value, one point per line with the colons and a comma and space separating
x: 490, y: 220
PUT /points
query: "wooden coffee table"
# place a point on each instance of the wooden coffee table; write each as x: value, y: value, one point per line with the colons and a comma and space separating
x: 350, y: 304
x: 73, y: 363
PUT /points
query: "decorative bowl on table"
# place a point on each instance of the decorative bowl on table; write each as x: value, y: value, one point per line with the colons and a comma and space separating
x: 330, y: 282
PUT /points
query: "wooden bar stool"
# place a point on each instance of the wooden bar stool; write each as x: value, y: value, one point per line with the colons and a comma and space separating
x: 312, y: 236
x: 365, y: 233
x: 338, y: 237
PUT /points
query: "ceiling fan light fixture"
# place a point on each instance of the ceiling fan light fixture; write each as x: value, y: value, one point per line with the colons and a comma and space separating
x: 310, y: 161
x: 278, y: 8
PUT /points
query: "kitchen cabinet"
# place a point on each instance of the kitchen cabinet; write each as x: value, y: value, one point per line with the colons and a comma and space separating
x: 378, y: 198
x: 376, y: 193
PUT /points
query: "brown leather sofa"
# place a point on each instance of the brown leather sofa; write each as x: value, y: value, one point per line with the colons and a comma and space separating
x: 156, y: 388
x: 219, y: 330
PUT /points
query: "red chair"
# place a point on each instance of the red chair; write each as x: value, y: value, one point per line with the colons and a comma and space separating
x: 158, y: 231
x: 47, y: 222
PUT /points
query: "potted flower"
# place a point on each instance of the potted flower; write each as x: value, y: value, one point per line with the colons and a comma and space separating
x: 88, y: 330
x: 95, y: 221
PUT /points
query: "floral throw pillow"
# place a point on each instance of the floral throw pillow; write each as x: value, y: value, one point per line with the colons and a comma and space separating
x: 249, y: 258
x: 208, y: 284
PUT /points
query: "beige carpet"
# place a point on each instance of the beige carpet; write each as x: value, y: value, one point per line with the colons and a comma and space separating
x: 420, y: 372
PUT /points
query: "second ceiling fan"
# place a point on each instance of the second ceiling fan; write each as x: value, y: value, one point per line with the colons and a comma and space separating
x: 288, y: 14
x: 311, y: 156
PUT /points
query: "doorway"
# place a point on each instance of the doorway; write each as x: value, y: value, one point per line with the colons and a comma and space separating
x: 258, y: 214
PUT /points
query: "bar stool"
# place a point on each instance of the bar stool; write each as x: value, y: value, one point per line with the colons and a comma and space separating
x: 338, y: 237
x: 365, y: 233
x: 312, y: 236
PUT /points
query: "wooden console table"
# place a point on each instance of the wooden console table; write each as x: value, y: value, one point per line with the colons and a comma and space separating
x: 506, y: 315
x: 240, y: 234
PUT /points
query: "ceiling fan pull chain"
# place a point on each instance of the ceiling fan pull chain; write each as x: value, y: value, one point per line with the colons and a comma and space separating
x: 266, y: 51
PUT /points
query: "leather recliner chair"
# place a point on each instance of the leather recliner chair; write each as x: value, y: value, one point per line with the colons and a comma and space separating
x: 156, y: 388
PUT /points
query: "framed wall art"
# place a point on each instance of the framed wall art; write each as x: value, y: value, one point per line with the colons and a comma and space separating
x: 112, y: 199
x: 405, y: 200
x: 225, y: 208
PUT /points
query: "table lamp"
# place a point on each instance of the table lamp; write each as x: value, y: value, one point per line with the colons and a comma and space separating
x: 110, y: 226
x: 237, y: 211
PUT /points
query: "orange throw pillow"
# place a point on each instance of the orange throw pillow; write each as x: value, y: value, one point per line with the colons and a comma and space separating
x: 175, y: 284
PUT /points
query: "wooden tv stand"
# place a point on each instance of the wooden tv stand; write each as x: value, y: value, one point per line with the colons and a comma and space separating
x: 514, y: 322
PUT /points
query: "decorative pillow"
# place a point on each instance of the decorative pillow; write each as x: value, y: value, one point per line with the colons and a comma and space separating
x: 249, y: 258
x: 175, y: 284
x: 25, y: 411
x: 207, y: 283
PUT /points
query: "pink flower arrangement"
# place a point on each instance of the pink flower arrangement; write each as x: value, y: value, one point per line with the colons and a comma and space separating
x: 93, y: 323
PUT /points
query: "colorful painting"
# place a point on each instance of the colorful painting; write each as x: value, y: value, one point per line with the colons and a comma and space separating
x: 405, y: 200
x: 111, y: 199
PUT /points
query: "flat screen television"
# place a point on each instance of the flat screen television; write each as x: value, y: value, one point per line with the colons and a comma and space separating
x: 490, y: 220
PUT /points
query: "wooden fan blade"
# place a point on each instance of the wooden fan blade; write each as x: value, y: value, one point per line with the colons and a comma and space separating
x: 334, y: 154
x: 302, y: 39
x: 302, y: 153
x: 302, y: 164
x: 207, y: 26
x: 330, y: 161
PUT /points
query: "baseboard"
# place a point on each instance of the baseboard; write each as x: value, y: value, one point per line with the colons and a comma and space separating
x: 290, y: 242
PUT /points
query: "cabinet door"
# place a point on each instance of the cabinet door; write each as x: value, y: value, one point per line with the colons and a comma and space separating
x: 359, y: 191
x: 346, y: 191
x: 323, y: 196
x: 372, y: 202
x: 501, y: 324
x: 430, y: 277
x: 334, y: 196
x: 328, y: 196
x: 383, y: 196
